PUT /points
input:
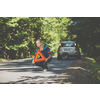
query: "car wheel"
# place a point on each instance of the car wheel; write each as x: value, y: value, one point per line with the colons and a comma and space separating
x: 65, y: 56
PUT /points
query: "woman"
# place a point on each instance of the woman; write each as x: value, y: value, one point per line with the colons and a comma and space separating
x: 46, y: 52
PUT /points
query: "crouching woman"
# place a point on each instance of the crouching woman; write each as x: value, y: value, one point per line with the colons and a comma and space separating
x: 46, y: 52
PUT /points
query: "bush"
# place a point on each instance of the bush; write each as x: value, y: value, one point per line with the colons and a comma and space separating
x: 97, y: 59
x: 94, y: 71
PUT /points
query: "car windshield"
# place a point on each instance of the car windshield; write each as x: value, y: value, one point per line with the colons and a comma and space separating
x: 67, y: 44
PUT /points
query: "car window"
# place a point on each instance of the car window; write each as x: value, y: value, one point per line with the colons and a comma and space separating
x: 67, y: 45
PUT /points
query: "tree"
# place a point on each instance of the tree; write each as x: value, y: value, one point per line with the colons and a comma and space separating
x: 87, y: 32
x: 20, y: 33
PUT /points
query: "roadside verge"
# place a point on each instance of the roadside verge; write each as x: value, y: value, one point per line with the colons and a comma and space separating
x: 82, y: 71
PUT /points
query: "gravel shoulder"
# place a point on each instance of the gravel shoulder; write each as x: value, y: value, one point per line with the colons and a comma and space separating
x: 77, y: 73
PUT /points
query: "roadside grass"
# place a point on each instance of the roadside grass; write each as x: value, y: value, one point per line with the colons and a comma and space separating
x: 1, y: 59
x: 82, y: 71
x: 94, y: 70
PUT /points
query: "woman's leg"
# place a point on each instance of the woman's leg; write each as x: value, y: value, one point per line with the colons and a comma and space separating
x: 45, y: 65
x: 42, y: 64
x: 39, y: 64
x: 49, y: 60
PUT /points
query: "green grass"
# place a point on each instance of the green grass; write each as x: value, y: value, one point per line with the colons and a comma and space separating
x: 1, y: 59
x: 94, y: 70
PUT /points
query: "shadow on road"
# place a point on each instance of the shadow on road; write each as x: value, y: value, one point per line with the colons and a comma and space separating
x: 55, y: 67
x: 26, y: 66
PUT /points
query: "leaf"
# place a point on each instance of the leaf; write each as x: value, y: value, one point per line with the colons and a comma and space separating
x: 7, y: 47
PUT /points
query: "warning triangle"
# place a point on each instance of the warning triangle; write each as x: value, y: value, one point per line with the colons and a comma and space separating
x: 40, y: 54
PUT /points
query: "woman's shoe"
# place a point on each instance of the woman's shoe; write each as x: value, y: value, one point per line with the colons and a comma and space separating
x: 45, y: 70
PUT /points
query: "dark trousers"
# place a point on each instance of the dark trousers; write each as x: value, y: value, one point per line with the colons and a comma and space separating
x: 43, y: 64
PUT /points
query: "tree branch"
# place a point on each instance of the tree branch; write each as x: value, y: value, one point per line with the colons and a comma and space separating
x: 7, y: 41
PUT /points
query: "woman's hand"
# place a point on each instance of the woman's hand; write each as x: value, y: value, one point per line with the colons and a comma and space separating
x: 46, y: 59
x: 33, y: 61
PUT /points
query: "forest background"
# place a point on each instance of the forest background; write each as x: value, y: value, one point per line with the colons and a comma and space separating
x: 18, y: 35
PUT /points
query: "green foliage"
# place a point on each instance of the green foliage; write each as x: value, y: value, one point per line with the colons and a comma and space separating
x: 87, y: 31
x: 20, y: 33
x: 97, y: 59
x: 1, y: 59
x: 94, y: 70
x: 54, y: 31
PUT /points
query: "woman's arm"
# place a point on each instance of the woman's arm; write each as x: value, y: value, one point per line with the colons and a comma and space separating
x: 50, y: 56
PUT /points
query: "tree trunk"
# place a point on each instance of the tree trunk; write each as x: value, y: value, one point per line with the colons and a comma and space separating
x: 17, y: 55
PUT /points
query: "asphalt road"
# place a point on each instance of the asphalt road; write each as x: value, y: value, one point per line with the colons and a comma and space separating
x: 22, y: 72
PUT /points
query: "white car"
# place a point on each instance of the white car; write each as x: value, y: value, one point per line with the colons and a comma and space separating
x: 68, y: 49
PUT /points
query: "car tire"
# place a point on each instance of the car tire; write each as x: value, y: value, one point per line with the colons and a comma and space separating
x: 65, y: 56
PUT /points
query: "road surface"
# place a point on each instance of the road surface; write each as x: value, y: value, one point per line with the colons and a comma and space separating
x: 22, y: 72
